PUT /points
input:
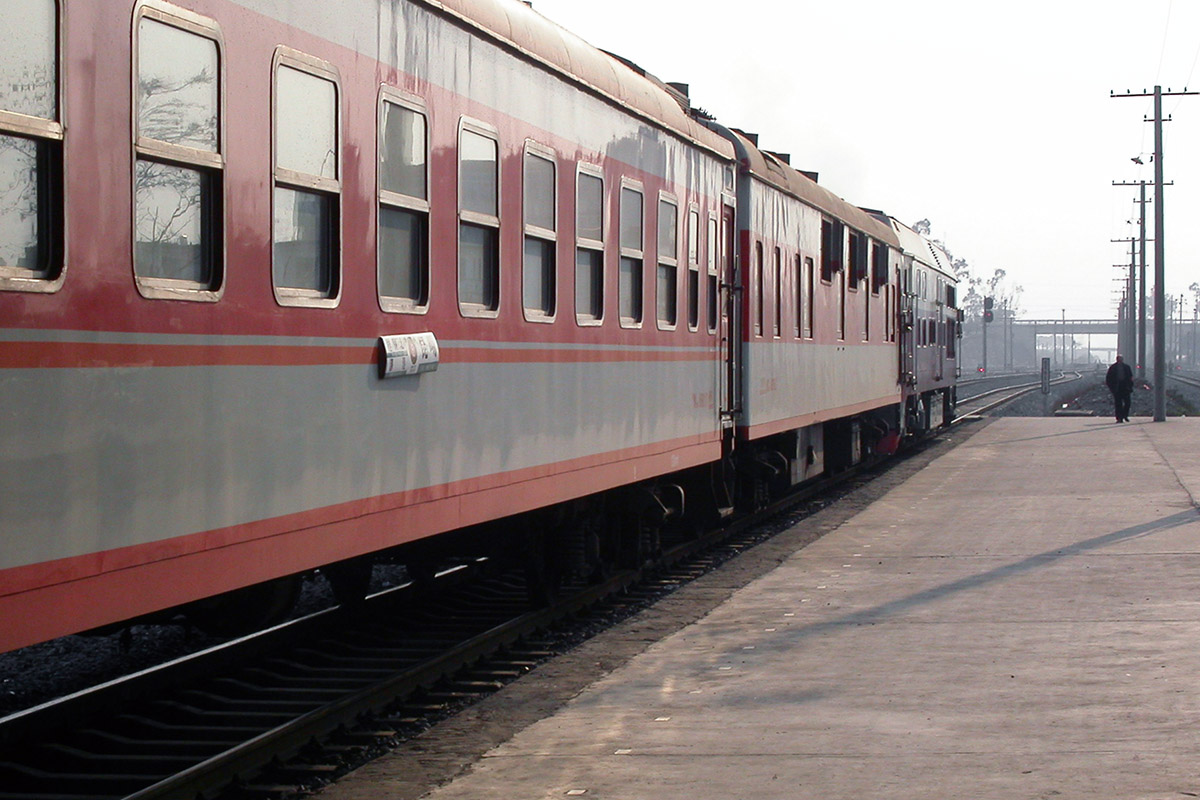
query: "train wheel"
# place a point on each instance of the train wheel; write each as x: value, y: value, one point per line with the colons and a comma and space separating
x: 543, y: 567
x: 246, y: 610
x: 350, y: 580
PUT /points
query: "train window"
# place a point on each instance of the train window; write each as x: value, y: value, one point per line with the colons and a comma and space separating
x: 855, y: 257
x: 31, y: 136
x: 667, y: 296
x: 778, y: 280
x: 306, y: 262
x: 479, y: 222
x: 951, y: 341
x: 711, y: 262
x: 866, y: 318
x: 177, y: 183
x: 832, y: 247
x: 403, y: 263
x: 809, y: 291
x: 757, y: 301
x: 798, y: 289
x: 540, y: 239
x: 879, y: 266
x: 589, y: 248
x: 693, y: 265
x: 841, y: 315
x: 629, y: 279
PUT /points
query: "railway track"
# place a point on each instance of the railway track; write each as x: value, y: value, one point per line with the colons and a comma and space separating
x: 984, y: 401
x: 1186, y: 380
x: 244, y: 719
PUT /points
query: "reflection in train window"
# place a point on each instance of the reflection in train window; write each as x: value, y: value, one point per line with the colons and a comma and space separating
x: 31, y: 134
x: 403, y: 208
x: 306, y: 262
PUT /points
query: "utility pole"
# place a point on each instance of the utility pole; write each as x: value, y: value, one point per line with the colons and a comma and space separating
x: 1160, y: 357
x: 1130, y: 287
x: 1141, y: 281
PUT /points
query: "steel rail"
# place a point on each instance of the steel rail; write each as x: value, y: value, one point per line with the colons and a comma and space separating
x: 1023, y: 389
x: 209, y: 776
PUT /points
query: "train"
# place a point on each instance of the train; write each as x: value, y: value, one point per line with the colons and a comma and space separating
x: 297, y: 287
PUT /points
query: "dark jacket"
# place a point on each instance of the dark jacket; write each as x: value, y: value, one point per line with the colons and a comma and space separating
x: 1119, y: 378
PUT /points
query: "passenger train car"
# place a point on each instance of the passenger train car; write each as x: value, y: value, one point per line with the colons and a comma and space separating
x: 301, y: 286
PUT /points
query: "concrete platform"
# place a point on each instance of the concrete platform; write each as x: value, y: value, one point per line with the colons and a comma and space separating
x: 1019, y: 619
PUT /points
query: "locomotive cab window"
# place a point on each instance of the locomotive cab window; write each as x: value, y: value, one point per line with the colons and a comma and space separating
x: 403, y: 260
x: 629, y: 279
x: 589, y: 247
x: 478, y: 221
x: 667, y: 296
x: 306, y: 262
x: 539, y: 269
x: 31, y: 136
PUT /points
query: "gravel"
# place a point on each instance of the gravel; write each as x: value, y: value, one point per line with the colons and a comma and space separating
x: 1089, y: 395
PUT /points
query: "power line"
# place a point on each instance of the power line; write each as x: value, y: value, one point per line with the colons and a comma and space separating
x: 1162, y: 50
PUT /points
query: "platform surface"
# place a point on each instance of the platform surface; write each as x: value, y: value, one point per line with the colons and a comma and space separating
x: 1020, y: 619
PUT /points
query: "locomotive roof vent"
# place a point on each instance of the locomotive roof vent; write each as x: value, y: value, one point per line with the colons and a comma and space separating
x: 786, y: 158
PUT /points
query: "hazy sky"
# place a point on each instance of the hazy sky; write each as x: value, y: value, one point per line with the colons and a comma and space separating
x: 993, y: 121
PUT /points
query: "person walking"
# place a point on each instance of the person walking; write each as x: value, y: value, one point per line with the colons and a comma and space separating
x: 1120, y: 382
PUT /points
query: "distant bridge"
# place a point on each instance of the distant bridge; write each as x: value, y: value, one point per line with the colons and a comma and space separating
x: 1069, y: 327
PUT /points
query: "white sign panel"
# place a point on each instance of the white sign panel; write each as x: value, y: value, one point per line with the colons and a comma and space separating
x: 407, y: 354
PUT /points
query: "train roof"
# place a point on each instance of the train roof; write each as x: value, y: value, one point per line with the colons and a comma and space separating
x: 517, y: 26
x: 771, y: 169
x: 921, y: 248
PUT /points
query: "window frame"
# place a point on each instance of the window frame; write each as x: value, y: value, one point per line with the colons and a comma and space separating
x: 537, y: 150
x: 50, y: 133
x: 807, y: 323
x: 478, y: 219
x: 287, y: 296
x: 758, y: 302
x: 693, y: 232
x: 670, y: 260
x: 635, y: 254
x: 160, y: 152
x: 797, y: 270
x: 591, y: 245
x: 401, y: 201
x: 833, y: 249
x: 879, y: 265
x: 777, y: 275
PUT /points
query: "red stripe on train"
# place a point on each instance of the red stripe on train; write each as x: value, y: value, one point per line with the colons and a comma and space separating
x: 92, y: 355
x: 43, y: 601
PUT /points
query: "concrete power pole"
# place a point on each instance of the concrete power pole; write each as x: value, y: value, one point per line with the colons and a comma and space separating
x: 1160, y: 303
x: 1141, y: 279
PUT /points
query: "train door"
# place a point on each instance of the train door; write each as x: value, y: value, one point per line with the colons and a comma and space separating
x: 730, y: 320
x: 940, y: 328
